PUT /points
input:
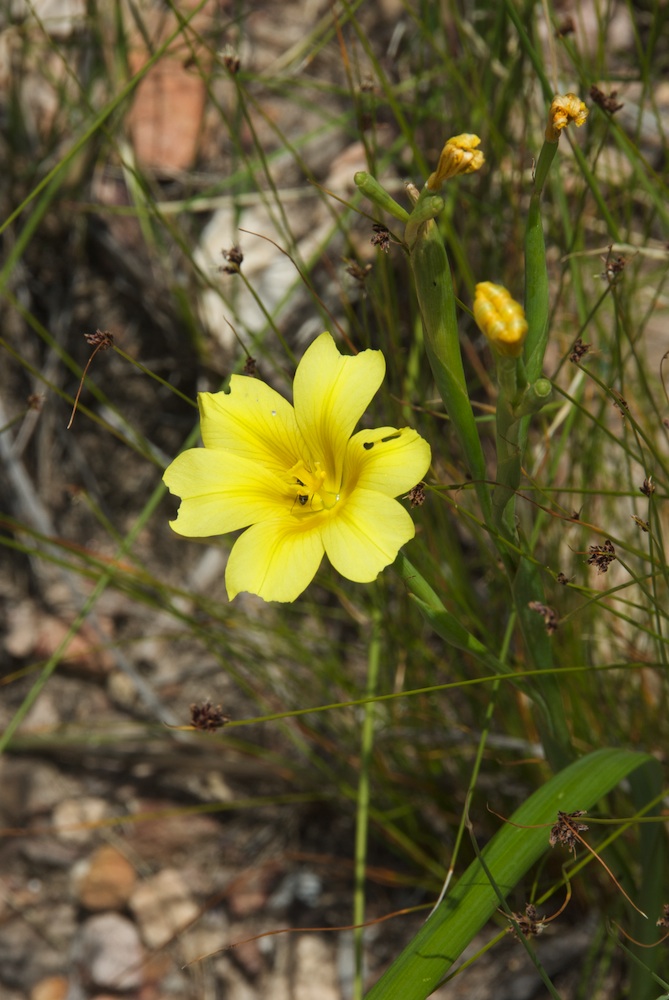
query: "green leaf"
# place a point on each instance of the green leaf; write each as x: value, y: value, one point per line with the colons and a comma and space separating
x: 508, y: 856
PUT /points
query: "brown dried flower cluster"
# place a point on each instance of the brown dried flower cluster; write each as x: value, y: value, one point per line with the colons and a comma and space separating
x: 529, y: 923
x: 417, y: 495
x: 565, y: 831
x: 207, y: 718
x: 235, y: 258
x: 578, y: 351
x: 549, y: 615
x: 601, y: 556
x: 381, y: 237
x: 607, y: 102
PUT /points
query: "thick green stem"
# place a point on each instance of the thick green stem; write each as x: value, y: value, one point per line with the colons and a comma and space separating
x: 507, y: 477
x: 536, y: 274
x: 436, y: 299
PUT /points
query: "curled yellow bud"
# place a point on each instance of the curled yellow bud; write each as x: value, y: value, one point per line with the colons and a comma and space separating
x: 500, y: 318
x: 459, y: 156
x: 566, y: 108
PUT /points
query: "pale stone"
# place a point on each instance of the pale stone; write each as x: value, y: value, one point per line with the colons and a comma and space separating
x: 163, y: 907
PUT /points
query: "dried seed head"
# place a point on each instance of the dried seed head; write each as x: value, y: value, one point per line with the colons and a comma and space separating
x: 606, y: 102
x: 565, y: 831
x: 529, y: 923
x: 549, y: 615
x: 417, y: 495
x: 235, y: 258
x: 578, y: 351
x: 614, y: 266
x: 357, y: 271
x: 381, y: 237
x: 230, y: 60
x: 207, y: 718
x: 601, y: 556
x: 101, y: 340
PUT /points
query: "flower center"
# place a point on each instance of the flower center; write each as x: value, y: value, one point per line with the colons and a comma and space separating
x: 310, y: 496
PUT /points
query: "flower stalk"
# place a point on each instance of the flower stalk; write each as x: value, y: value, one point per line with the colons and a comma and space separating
x: 436, y: 299
x: 563, y: 110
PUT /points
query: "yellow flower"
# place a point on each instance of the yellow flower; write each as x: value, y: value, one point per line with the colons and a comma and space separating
x: 500, y: 318
x: 459, y: 156
x: 566, y: 108
x: 297, y: 478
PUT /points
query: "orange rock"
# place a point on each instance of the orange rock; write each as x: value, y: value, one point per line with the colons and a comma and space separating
x: 50, y: 988
x: 165, y: 119
x: 105, y: 880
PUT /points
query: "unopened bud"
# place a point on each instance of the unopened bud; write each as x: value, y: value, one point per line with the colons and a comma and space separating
x: 500, y: 318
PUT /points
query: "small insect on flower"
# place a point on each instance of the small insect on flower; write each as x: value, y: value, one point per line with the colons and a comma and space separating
x: 500, y: 318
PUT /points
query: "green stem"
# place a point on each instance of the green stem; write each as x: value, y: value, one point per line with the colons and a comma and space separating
x: 362, y: 812
x: 507, y: 477
x: 536, y: 274
x: 436, y: 299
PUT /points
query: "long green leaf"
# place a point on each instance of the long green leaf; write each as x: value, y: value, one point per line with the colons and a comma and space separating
x: 511, y: 852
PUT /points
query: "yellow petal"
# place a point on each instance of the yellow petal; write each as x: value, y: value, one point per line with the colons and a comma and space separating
x: 388, y: 460
x: 366, y: 535
x: 222, y: 492
x: 330, y: 394
x: 251, y: 420
x: 274, y: 560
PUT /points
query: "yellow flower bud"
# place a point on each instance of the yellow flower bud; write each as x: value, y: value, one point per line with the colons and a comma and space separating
x: 566, y: 108
x: 459, y: 156
x: 500, y: 318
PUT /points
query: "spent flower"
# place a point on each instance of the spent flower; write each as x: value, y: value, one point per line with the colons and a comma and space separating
x: 500, y: 318
x: 459, y: 156
x: 297, y: 478
x: 566, y: 108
